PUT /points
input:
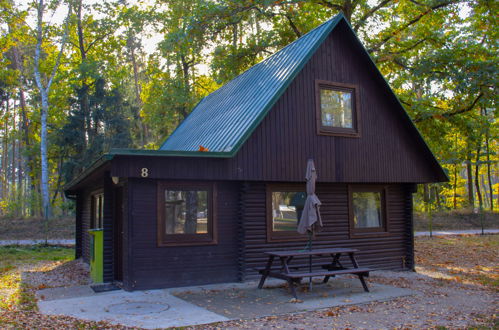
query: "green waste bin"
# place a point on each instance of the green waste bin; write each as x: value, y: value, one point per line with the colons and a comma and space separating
x: 96, y: 255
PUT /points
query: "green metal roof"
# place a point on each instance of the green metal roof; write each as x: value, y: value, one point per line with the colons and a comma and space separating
x: 223, y: 120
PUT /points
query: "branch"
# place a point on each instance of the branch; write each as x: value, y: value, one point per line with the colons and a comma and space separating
x: 452, y: 113
x: 63, y: 44
x: 424, y: 104
x: 90, y: 45
x: 410, y: 23
x: 39, y: 39
x: 417, y: 3
x: 293, y: 26
x: 330, y: 5
x: 364, y: 18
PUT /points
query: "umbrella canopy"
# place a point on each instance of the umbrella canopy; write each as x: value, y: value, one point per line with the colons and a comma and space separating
x: 310, y: 220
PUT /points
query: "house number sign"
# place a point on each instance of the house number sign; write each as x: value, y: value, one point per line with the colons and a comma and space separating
x: 144, y: 172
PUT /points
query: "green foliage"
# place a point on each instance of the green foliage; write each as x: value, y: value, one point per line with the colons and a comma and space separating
x: 87, y: 135
x: 114, y: 89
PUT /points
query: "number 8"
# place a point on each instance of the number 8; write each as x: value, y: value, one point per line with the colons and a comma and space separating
x: 144, y: 172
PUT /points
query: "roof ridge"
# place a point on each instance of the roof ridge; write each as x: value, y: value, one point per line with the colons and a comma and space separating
x: 274, y: 79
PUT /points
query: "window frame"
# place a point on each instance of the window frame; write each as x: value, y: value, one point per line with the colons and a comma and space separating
x: 338, y: 131
x: 93, y: 221
x: 281, y: 236
x: 210, y: 238
x: 383, y: 230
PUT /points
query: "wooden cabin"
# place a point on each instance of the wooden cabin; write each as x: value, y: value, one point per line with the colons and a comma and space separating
x: 178, y: 216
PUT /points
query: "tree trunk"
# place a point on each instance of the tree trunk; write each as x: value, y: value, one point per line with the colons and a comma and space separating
x: 454, y: 186
x: 485, y: 195
x: 469, y: 175
x: 187, y: 87
x: 142, y: 127
x: 489, y: 178
x: 25, y: 160
x: 477, y: 170
x: 43, y: 154
x: 83, y: 92
x: 44, y: 94
x: 13, y: 164
x: 4, y: 164
x: 427, y: 203
x: 437, y: 196
x: 234, y: 36
x: 5, y: 158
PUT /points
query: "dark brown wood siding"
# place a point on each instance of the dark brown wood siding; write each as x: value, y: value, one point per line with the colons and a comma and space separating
x: 150, y: 266
x: 86, y: 213
x: 388, y: 149
x: 79, y: 226
x: 384, y: 252
x: 127, y: 237
x: 108, y: 270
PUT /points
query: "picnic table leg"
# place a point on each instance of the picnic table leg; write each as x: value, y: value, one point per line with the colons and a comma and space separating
x: 265, y: 272
x: 336, y: 261
x: 284, y: 263
x: 361, y: 276
x: 363, y: 281
x: 354, y: 262
x: 292, y: 287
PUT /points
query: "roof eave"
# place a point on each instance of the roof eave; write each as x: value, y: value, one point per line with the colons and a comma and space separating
x: 171, y: 153
x: 137, y: 152
x: 82, y: 176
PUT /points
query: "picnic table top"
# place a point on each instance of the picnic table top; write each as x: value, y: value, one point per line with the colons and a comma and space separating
x: 294, y: 253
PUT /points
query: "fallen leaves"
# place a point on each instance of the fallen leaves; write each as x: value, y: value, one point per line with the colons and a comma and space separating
x: 472, y: 260
x: 456, y: 281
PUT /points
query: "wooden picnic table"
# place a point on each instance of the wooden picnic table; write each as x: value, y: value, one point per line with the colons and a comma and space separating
x: 294, y: 273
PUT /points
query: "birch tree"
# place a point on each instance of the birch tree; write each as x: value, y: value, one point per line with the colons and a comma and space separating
x: 44, y: 84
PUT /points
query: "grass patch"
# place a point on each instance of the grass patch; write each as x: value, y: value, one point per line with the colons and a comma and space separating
x: 14, y: 294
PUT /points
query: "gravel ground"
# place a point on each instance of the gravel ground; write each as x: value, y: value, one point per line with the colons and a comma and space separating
x: 438, y: 304
x: 50, y: 275
x: 456, y: 280
x: 441, y: 302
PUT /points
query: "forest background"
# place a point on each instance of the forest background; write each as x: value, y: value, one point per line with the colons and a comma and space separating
x: 80, y: 77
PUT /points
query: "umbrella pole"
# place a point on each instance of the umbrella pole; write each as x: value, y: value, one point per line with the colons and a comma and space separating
x: 310, y: 233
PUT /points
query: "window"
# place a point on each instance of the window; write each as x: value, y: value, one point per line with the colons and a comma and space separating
x: 367, y: 210
x: 185, y: 214
x: 284, y: 208
x: 97, y: 211
x: 337, y: 112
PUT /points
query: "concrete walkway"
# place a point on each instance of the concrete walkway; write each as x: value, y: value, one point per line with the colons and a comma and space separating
x: 180, y: 307
x: 457, y: 232
x: 69, y: 242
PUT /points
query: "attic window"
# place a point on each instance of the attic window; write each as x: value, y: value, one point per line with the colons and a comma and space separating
x: 337, y: 109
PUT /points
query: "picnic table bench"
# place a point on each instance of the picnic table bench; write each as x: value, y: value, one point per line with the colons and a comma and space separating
x: 327, y: 269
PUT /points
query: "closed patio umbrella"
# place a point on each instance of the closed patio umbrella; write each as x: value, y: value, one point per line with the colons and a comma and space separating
x: 310, y: 221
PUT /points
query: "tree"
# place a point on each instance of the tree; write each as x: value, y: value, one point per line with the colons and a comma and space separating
x: 44, y: 86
